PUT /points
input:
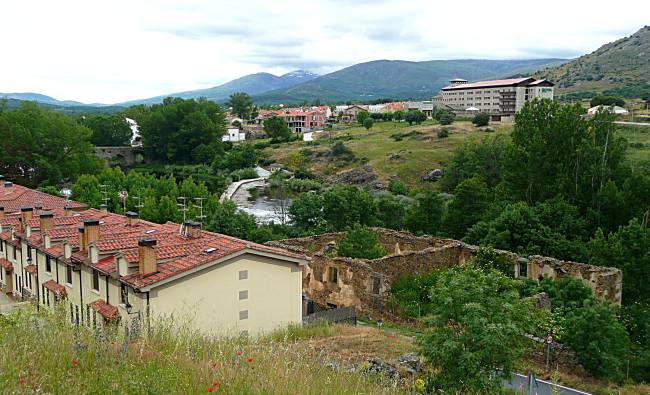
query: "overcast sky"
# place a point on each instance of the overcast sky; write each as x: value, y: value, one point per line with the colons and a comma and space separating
x: 112, y: 50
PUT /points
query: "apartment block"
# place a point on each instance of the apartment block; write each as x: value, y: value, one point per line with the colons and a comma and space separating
x: 500, y: 98
x: 110, y: 269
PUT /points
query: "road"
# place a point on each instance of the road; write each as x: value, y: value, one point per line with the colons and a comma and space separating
x: 519, y: 383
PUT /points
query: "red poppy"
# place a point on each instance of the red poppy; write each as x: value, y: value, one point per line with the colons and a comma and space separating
x: 215, y: 384
x: 21, y: 381
x: 210, y: 389
x: 75, y: 362
x: 238, y: 352
x: 250, y: 360
x: 252, y: 367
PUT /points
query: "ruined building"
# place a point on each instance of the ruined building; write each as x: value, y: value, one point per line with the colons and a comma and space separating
x: 337, y: 282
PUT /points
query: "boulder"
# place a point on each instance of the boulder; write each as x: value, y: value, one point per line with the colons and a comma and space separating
x: 410, y: 362
x: 433, y: 175
x: 380, y: 368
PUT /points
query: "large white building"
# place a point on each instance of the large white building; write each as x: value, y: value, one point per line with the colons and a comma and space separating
x: 500, y: 98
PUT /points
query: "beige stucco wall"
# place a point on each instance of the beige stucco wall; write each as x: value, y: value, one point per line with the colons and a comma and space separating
x: 210, y: 297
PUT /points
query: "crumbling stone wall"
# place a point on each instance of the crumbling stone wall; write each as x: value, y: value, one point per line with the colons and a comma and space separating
x: 337, y: 281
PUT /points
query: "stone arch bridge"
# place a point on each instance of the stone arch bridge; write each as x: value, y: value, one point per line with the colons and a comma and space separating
x: 124, y: 157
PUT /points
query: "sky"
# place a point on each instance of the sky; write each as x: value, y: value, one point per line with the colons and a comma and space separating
x: 112, y: 51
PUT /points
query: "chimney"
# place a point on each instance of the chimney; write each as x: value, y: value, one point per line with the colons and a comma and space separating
x: 103, y: 208
x: 132, y: 218
x: 26, y: 213
x: 37, y: 208
x: 47, y: 220
x: 91, y: 231
x: 147, y: 263
x: 194, y: 230
x: 82, y: 238
x: 67, y: 209
x: 186, y: 228
x: 2, y: 212
x: 8, y: 184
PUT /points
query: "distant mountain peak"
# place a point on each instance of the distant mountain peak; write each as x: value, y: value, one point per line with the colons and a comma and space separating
x: 300, y: 74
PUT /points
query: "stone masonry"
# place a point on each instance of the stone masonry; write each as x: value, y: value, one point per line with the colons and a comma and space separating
x: 336, y: 281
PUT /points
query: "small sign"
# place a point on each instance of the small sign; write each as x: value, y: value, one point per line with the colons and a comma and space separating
x: 549, y: 339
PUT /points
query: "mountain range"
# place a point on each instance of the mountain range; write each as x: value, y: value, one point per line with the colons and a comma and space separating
x: 620, y: 68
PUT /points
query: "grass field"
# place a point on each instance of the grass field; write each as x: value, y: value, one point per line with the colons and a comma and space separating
x: 409, y: 152
x: 418, y: 151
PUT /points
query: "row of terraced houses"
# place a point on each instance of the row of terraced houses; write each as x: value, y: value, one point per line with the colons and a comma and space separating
x: 107, y: 268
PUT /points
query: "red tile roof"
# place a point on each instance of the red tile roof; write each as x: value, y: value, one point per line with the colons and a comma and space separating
x: 6, y: 264
x: 17, y: 196
x: 106, y: 265
x: 55, y: 251
x: 55, y: 287
x: 105, y: 309
x: 30, y: 269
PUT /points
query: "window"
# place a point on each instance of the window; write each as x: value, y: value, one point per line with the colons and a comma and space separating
x: 124, y: 294
x: 48, y: 264
x: 243, y: 274
x: 14, y: 253
x: 376, y: 285
x: 29, y: 253
x: 334, y: 275
x: 243, y: 315
x: 2, y: 246
x: 95, y: 280
x: 68, y: 274
x: 243, y: 295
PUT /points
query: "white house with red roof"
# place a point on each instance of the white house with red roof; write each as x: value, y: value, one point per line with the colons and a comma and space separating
x: 113, y: 269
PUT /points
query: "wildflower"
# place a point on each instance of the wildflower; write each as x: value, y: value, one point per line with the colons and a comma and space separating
x: 215, y: 384
x: 21, y: 381
x: 250, y: 360
x: 419, y: 384
x: 238, y: 353
x: 75, y: 362
x: 211, y: 389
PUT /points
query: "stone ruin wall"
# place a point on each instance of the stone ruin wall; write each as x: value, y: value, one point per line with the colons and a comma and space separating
x: 367, y: 283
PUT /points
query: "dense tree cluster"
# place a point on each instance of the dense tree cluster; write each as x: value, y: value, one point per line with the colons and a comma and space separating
x: 41, y: 147
x: 108, y: 130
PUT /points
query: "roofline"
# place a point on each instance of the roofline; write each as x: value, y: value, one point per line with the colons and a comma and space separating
x: 146, y: 288
x: 465, y: 87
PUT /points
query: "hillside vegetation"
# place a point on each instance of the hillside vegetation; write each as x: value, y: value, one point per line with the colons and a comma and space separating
x: 620, y: 68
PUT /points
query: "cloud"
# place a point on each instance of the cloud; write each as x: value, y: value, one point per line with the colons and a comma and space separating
x: 124, y: 49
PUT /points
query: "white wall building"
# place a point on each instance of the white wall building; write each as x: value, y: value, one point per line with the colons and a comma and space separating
x: 234, y: 135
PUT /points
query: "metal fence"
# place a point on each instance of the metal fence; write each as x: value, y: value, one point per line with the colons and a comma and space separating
x: 332, y: 316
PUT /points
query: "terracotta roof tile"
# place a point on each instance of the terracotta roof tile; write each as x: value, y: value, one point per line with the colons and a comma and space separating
x: 30, y: 269
x: 6, y: 264
x: 55, y: 287
x: 105, y: 309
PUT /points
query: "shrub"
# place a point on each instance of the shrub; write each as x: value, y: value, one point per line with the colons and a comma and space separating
x: 447, y: 118
x: 481, y: 119
x: 443, y: 133
x: 339, y: 150
x: 367, y: 123
x: 397, y: 187
x: 361, y: 243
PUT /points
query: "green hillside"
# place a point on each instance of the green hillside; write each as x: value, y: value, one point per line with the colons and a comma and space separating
x: 398, y: 79
x: 619, y: 68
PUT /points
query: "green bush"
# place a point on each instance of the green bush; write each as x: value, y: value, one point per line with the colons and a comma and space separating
x: 481, y: 119
x: 443, y: 133
x: 397, y: 187
x: 447, y: 118
x: 360, y: 243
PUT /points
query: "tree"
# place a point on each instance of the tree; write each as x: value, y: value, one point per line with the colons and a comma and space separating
x: 361, y: 243
x: 306, y: 211
x: 86, y: 190
x: 226, y: 219
x: 606, y: 101
x: 425, y: 215
x: 398, y: 115
x: 362, y: 116
x: 471, y: 200
x: 109, y: 130
x: 476, y: 158
x: 391, y: 211
x: 345, y: 205
x: 182, y: 131
x: 241, y: 104
x: 415, y: 116
x: 368, y: 123
x: 598, y: 339
x: 476, y: 338
x: 481, y: 119
x: 41, y: 147
x: 276, y: 128
x: 447, y: 118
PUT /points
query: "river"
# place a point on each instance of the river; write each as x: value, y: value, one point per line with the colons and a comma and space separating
x: 262, y: 202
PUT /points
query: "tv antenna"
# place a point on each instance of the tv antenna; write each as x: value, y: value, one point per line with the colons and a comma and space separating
x: 199, y: 205
x: 104, y: 193
x: 183, y: 208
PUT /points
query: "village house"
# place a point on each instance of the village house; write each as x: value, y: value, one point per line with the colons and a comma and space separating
x: 351, y: 112
x: 108, y: 268
x: 233, y: 134
x: 299, y: 120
